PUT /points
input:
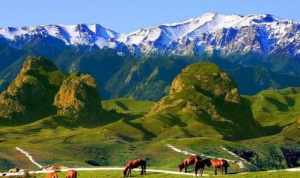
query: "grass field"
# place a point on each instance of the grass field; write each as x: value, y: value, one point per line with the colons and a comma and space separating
x: 123, y: 134
x: 118, y: 174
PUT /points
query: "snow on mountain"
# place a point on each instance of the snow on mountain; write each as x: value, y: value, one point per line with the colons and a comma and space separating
x: 80, y: 34
x: 227, y: 33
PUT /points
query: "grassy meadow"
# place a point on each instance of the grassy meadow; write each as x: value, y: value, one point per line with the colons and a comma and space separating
x: 118, y: 174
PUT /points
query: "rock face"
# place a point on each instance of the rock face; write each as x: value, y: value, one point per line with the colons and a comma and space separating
x: 31, y: 94
x: 78, y: 97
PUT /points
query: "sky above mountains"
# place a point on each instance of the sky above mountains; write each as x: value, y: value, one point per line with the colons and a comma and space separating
x: 129, y: 15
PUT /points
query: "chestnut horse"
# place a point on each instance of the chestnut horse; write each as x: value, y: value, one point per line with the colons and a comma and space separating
x: 215, y: 163
x: 131, y: 164
x: 191, y: 160
x: 71, y: 174
x: 52, y: 175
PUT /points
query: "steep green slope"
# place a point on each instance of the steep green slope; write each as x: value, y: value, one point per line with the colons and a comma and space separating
x: 276, y: 107
x: 128, y: 105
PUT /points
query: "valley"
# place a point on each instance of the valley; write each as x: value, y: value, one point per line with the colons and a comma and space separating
x: 203, y: 113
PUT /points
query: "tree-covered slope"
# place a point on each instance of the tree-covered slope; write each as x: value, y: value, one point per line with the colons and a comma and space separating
x: 149, y: 77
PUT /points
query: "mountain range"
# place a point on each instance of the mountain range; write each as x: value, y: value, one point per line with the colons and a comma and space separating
x: 261, y: 51
x: 263, y: 34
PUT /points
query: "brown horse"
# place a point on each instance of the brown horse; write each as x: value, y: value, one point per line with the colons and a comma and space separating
x: 52, y: 175
x: 191, y: 160
x: 215, y: 163
x: 71, y: 174
x: 131, y: 164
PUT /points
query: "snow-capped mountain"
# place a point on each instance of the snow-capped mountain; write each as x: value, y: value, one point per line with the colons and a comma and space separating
x: 263, y: 34
x: 80, y: 34
x: 226, y: 33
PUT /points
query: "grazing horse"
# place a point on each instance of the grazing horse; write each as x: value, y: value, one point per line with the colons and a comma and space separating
x: 52, y: 175
x: 71, y: 174
x: 199, y: 166
x: 191, y: 160
x: 131, y: 164
x: 215, y: 163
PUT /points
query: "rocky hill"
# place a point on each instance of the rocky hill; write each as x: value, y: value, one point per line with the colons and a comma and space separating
x: 30, y: 95
x: 202, y: 101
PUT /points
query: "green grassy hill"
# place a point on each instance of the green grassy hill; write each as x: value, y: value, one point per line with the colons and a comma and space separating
x: 202, y: 113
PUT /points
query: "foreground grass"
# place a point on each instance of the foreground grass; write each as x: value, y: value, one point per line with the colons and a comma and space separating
x: 118, y: 174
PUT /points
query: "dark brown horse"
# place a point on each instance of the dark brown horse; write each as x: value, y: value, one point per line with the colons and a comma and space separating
x: 131, y: 164
x: 71, y: 174
x: 191, y: 160
x: 215, y: 163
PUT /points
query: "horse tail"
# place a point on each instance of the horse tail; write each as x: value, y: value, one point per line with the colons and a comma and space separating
x: 125, y: 171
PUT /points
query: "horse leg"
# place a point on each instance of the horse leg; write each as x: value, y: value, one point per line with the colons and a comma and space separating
x: 185, y: 169
x: 216, y: 171
x: 142, y: 170
x: 129, y: 172
x: 201, y: 171
x: 222, y: 170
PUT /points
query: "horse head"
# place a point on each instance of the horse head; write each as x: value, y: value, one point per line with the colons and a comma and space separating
x: 207, y: 162
x: 225, y: 163
x: 198, y: 158
x: 180, y: 167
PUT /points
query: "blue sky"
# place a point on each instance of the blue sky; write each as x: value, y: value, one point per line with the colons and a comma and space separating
x: 129, y: 15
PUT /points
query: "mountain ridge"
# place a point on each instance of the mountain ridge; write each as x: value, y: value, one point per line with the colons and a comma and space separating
x: 264, y: 34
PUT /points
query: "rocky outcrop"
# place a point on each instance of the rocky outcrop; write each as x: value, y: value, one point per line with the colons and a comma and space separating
x: 78, y: 97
